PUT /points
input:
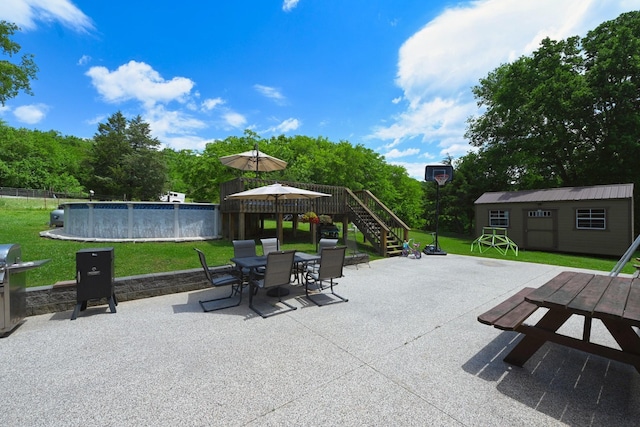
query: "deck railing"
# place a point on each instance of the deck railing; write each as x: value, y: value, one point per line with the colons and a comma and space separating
x: 379, y: 224
x: 334, y: 205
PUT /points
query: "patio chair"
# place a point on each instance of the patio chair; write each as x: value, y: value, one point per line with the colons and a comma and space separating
x: 269, y: 245
x: 322, y: 244
x: 352, y: 246
x: 243, y: 249
x: 331, y: 264
x: 326, y: 243
x: 277, y: 273
x: 234, y: 281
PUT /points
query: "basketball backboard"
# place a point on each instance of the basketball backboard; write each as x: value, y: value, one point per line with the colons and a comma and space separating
x: 431, y: 171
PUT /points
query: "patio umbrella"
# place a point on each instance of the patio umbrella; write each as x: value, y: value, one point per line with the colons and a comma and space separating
x: 253, y: 160
x: 277, y: 192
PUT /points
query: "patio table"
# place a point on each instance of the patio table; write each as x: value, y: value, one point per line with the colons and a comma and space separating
x: 301, y: 259
x: 615, y: 301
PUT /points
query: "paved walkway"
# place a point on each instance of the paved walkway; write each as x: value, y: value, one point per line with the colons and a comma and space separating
x: 406, y: 350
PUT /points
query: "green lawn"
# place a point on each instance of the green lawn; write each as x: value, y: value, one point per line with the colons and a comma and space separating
x: 23, y: 220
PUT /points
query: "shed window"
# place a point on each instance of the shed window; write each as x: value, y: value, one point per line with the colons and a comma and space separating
x: 498, y: 218
x: 591, y: 219
x: 539, y: 214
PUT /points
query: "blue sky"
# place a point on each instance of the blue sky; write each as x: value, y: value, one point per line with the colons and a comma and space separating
x: 393, y: 75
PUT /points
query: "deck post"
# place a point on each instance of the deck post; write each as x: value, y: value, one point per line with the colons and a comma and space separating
x: 294, y: 225
x: 280, y: 227
x: 345, y: 228
x: 241, y: 226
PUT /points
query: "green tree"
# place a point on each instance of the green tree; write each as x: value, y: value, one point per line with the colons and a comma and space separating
x: 612, y: 53
x: 14, y: 77
x: 568, y: 115
x: 41, y: 160
x: 536, y: 108
x: 125, y: 160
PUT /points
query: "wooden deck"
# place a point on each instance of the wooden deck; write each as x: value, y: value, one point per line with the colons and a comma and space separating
x: 244, y: 218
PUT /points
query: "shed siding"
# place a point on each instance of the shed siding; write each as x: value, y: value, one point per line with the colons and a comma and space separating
x: 613, y: 241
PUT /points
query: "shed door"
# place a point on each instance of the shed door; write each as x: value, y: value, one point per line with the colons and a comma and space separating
x: 541, y: 229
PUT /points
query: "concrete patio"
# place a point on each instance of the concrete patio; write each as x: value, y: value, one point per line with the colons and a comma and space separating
x: 406, y: 350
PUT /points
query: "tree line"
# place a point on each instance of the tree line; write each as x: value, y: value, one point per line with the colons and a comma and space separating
x: 124, y: 162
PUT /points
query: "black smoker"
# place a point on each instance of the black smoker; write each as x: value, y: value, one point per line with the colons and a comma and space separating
x: 13, y: 272
x: 94, y: 278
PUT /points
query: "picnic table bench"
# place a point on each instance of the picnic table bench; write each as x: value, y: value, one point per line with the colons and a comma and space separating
x: 615, y: 301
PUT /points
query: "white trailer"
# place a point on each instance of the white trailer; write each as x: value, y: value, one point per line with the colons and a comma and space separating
x: 173, y: 196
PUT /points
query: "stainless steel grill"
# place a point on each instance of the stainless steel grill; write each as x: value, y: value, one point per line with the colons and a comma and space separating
x: 13, y: 272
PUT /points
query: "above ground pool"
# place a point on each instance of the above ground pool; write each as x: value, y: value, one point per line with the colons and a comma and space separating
x: 138, y: 221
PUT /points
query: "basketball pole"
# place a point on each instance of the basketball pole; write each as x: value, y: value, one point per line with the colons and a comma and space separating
x: 439, y: 174
x: 437, y: 250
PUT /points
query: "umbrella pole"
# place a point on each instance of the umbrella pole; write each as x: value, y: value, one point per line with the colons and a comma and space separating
x: 255, y: 147
x: 278, y: 291
x: 279, y: 233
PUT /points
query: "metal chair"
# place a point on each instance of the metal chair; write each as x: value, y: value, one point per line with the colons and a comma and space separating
x: 352, y: 245
x: 277, y: 273
x: 269, y: 245
x: 331, y: 264
x: 243, y: 249
x: 326, y: 243
x: 322, y: 244
x: 225, y: 280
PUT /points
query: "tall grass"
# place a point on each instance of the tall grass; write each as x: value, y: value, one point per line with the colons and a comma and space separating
x: 23, y: 219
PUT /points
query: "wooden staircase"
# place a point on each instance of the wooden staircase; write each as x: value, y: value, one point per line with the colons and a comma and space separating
x: 376, y: 222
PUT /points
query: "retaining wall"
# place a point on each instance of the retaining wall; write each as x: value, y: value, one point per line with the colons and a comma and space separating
x: 62, y: 296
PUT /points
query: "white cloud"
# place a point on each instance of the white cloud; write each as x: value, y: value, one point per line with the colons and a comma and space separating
x: 84, y: 60
x: 25, y: 14
x: 284, y: 126
x: 96, y: 120
x: 165, y: 122
x: 289, y: 125
x: 233, y: 119
x: 396, y: 100
x: 289, y: 5
x: 138, y: 81
x: 30, y: 114
x: 394, y: 154
x: 271, y: 93
x: 415, y: 170
x: 439, y: 64
x: 185, y: 142
x: 211, y: 103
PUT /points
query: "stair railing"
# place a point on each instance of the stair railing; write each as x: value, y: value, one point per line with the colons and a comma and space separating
x: 367, y: 222
x: 397, y: 228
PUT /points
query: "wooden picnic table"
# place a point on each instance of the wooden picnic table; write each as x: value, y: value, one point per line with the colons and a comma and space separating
x: 615, y: 301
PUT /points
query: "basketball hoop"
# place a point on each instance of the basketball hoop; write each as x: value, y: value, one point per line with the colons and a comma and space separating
x: 441, y: 179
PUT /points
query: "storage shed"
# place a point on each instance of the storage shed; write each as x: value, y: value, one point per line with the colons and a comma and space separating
x: 594, y: 220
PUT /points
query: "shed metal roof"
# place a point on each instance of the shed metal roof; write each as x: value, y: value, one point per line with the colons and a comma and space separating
x: 596, y: 192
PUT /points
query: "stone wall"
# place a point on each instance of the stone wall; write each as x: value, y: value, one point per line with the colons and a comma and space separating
x: 62, y: 295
